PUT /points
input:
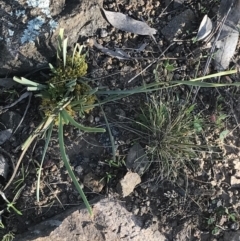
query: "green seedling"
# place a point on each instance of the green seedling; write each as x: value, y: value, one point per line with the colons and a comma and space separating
x: 8, y: 237
x: 108, y: 176
x: 117, y: 163
x: 213, y: 222
x: 21, y: 180
x: 231, y: 215
x: 169, y: 67
x: 10, y: 205
x: 1, y: 223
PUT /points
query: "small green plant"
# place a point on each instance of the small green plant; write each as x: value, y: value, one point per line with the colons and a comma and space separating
x: 116, y: 163
x: 169, y: 67
x: 8, y: 237
x: 64, y: 96
x: 108, y: 176
x: 10, y: 205
x: 221, y: 216
x: 119, y: 162
x: 169, y: 136
x: 21, y: 180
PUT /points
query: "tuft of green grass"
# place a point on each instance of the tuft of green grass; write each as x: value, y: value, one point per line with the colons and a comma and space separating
x: 170, y: 131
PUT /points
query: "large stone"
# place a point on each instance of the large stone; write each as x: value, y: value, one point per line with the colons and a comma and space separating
x: 29, y: 29
x: 110, y: 221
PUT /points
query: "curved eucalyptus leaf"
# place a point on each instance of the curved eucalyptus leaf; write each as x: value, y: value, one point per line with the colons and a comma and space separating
x: 205, y: 28
x: 125, y: 23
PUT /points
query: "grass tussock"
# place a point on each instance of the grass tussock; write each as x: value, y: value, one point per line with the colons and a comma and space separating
x: 170, y: 130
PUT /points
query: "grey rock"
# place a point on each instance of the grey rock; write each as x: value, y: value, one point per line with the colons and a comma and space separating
x: 135, y: 211
x: 10, y: 119
x: 178, y: 3
x: 4, y: 167
x: 78, y: 169
x: 231, y: 236
x: 128, y: 183
x: 137, y: 159
x: 103, y: 33
x: 235, y: 182
x: 5, y: 135
x: 97, y: 119
x: 7, y: 83
x: 28, y: 36
x: 143, y: 210
x: 179, y: 24
x: 235, y: 226
x: 110, y: 221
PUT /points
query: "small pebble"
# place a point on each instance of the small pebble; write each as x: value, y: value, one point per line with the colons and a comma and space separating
x: 90, y: 119
x: 103, y: 33
x: 136, y: 211
x: 143, y: 210
x: 234, y: 226
x: 79, y: 169
x: 97, y: 119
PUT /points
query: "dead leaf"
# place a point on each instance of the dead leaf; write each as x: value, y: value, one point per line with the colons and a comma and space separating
x: 137, y: 159
x: 228, y: 39
x: 125, y: 23
x: 205, y: 28
x: 119, y: 53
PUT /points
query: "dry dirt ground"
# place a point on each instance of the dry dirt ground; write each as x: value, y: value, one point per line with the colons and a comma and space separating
x: 202, y: 205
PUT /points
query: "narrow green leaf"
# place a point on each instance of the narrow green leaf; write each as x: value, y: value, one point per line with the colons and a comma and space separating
x: 52, y: 68
x: 26, y: 82
x: 232, y: 216
x: 92, y: 91
x: 77, y: 48
x: 36, y: 88
x: 65, y: 118
x: 49, y: 134
x: 78, y: 125
x: 71, y: 83
x: 205, y: 84
x: 68, y: 167
x: 223, y: 135
x: 18, y: 193
x: 110, y: 135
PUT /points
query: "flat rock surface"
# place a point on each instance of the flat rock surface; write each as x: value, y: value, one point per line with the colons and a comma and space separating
x: 110, y: 221
x: 28, y: 31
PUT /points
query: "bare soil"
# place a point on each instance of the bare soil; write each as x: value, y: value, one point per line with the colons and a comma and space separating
x: 197, y: 206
